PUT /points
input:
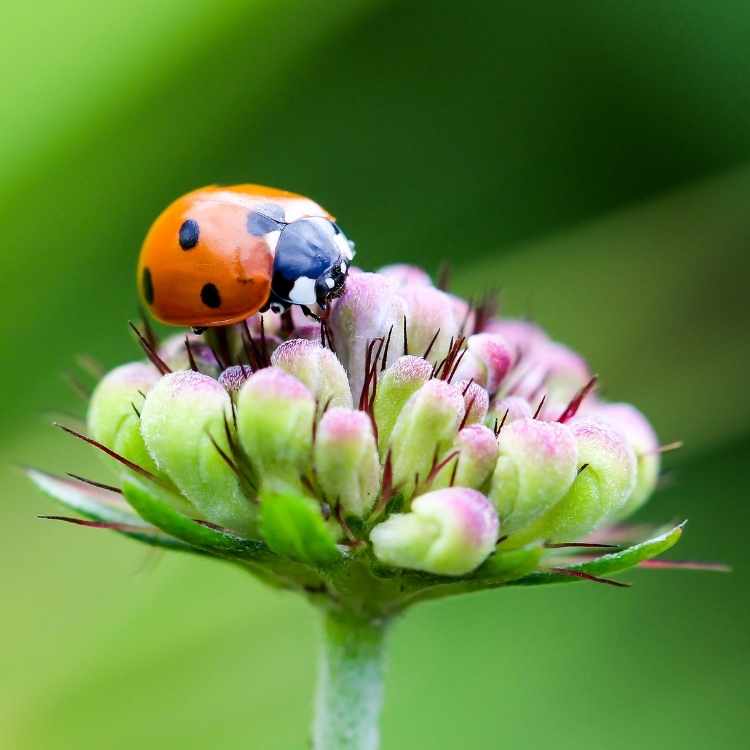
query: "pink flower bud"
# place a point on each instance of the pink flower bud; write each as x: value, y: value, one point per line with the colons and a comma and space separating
x: 429, y: 315
x: 511, y: 409
x: 521, y: 335
x: 476, y: 401
x: 477, y: 448
x: 487, y: 360
x: 370, y: 308
x: 174, y: 352
x: 404, y: 275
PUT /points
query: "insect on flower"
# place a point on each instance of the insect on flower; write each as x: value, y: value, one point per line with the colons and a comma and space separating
x: 412, y: 447
x: 218, y: 255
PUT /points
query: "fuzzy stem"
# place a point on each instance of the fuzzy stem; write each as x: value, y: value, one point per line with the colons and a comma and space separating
x: 350, y: 683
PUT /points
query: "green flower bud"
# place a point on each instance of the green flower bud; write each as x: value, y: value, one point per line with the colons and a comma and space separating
x: 477, y: 448
x: 318, y: 368
x: 275, y: 414
x: 395, y: 387
x: 427, y: 425
x: 346, y: 460
x: 600, y: 491
x: 114, y: 407
x: 448, y: 532
x: 183, y: 422
x: 638, y: 431
x: 536, y: 466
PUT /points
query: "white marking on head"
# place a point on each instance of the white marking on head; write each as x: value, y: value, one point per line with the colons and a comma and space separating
x: 303, y: 291
x: 343, y: 268
x: 272, y: 239
x: 344, y: 247
x: 330, y: 283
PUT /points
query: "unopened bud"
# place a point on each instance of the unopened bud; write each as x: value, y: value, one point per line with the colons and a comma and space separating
x: 318, y: 368
x: 487, y: 360
x: 638, y: 431
x: 184, y: 423
x: 113, y: 416
x: 369, y: 309
x: 275, y: 413
x: 427, y: 425
x: 448, y: 532
x: 607, y: 475
x: 395, y: 387
x: 510, y: 409
x: 346, y: 460
x: 476, y: 447
x: 430, y: 321
x: 476, y: 401
x: 536, y: 466
x: 404, y: 275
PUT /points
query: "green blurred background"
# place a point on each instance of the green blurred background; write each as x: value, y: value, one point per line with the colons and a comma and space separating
x: 592, y: 158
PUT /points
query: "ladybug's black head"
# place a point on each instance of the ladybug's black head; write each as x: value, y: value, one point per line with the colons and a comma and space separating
x: 311, y: 263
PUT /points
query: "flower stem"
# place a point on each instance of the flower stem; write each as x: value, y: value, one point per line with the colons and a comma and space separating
x: 350, y: 683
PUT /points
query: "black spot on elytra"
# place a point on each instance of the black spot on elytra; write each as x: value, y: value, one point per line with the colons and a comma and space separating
x: 210, y: 296
x: 189, y: 233
x: 148, y: 286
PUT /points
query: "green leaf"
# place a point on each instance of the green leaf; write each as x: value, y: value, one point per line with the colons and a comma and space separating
x: 152, y: 503
x: 102, y: 506
x: 293, y: 526
x: 611, y: 563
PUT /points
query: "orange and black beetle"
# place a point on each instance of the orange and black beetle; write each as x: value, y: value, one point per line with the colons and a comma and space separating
x: 220, y: 254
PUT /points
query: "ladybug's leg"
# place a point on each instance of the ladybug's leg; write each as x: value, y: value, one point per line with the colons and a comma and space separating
x: 287, y: 324
x: 308, y: 313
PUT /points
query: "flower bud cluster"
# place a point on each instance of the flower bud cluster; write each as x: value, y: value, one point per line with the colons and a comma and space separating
x: 426, y: 433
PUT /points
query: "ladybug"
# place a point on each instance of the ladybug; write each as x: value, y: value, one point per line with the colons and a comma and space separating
x: 221, y: 254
